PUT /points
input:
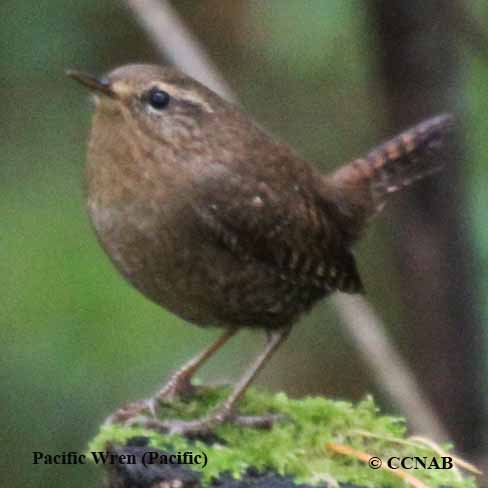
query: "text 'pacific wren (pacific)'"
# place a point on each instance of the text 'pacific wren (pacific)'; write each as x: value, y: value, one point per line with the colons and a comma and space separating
x: 213, y: 219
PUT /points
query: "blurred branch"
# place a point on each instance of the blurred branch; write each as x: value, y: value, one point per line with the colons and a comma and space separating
x: 394, y: 376
x: 167, y: 31
x: 178, y: 44
x: 421, y: 70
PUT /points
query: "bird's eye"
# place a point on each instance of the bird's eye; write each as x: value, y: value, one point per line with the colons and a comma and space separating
x: 158, y: 99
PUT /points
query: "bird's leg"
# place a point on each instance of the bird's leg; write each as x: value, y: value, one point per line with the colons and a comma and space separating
x: 226, y: 411
x: 178, y: 384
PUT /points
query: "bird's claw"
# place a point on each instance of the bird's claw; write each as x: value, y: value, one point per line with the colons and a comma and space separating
x: 205, y: 426
x: 126, y: 414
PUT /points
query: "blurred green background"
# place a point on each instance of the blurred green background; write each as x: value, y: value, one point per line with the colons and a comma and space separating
x: 76, y: 340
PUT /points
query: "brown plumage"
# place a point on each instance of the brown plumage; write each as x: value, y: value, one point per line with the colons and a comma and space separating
x: 216, y: 221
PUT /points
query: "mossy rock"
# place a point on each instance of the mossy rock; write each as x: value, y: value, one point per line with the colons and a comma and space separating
x: 303, y: 448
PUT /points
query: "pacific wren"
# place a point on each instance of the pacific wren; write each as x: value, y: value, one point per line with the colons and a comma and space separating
x: 219, y: 223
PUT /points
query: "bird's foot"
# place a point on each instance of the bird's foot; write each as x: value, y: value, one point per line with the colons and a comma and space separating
x: 180, y: 386
x: 143, y: 414
x: 204, y: 427
x: 137, y: 410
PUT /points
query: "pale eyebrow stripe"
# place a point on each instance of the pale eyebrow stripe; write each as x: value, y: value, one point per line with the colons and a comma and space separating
x: 183, y: 94
x: 124, y: 89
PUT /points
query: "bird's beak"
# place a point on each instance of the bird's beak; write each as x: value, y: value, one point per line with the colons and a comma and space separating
x: 100, y: 85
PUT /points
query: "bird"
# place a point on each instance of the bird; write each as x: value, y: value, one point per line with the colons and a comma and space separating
x: 224, y: 225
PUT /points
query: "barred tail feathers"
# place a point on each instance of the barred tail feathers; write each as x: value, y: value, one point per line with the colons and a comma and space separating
x: 395, y: 164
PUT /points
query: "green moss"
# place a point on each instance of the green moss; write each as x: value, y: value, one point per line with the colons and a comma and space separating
x: 296, y: 446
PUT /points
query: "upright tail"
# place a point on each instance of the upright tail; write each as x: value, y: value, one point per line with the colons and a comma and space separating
x: 395, y: 164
